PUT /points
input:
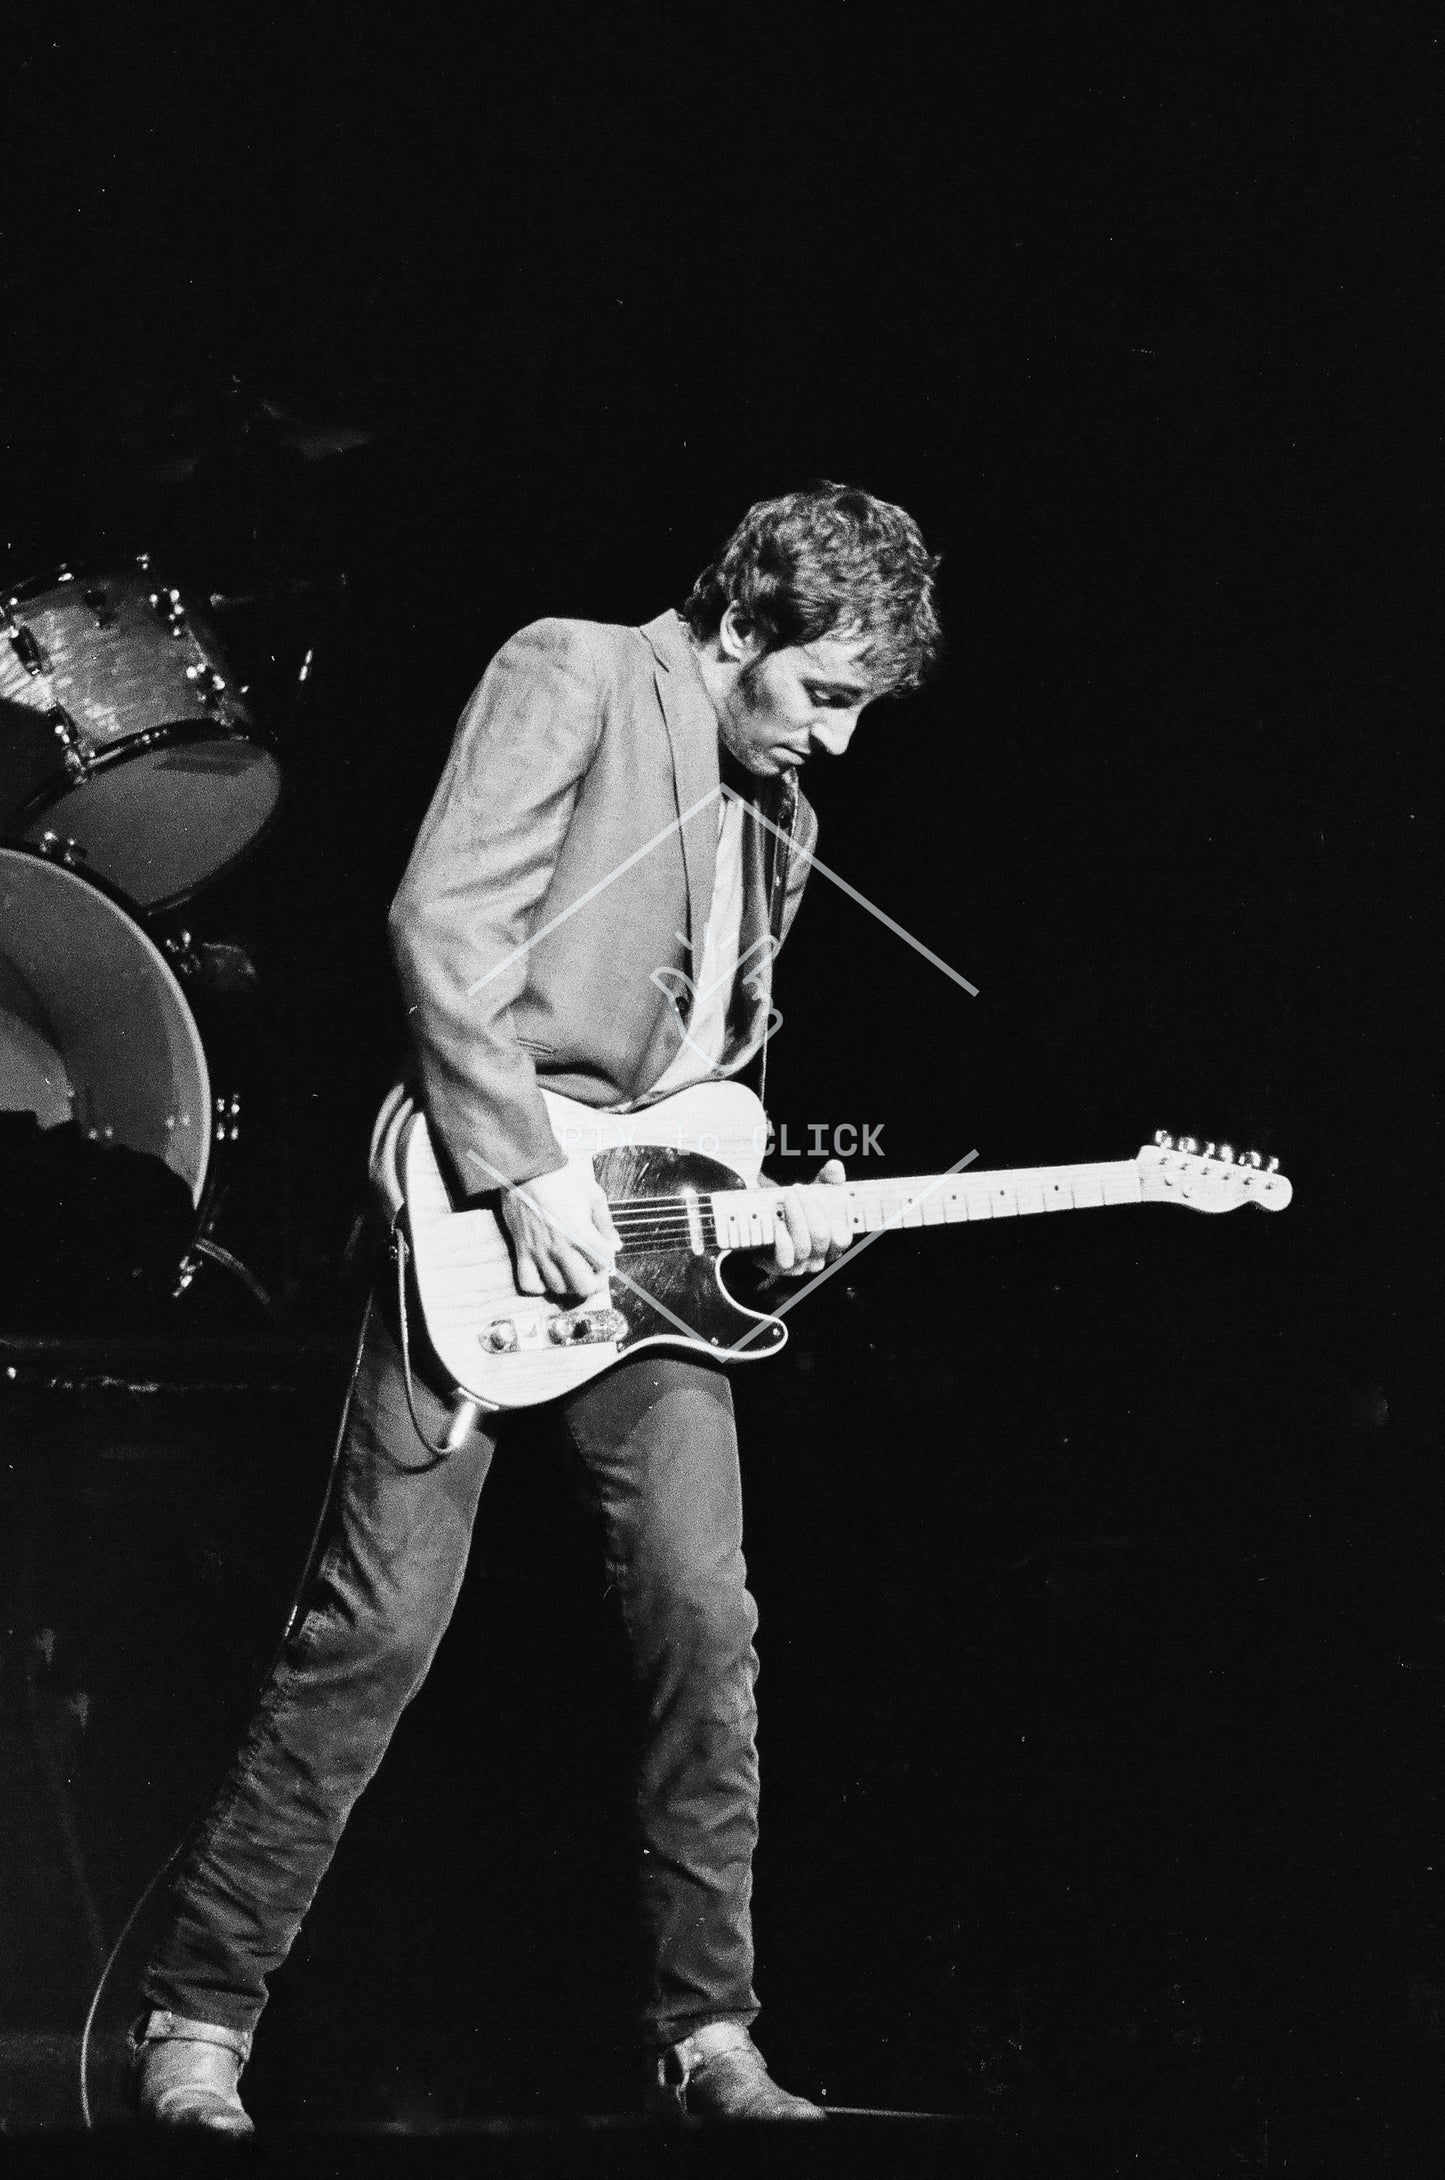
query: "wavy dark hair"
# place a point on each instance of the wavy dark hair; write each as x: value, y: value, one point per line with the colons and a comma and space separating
x: 829, y: 561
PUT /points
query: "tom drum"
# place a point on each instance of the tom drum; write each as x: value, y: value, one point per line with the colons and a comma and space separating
x: 123, y: 736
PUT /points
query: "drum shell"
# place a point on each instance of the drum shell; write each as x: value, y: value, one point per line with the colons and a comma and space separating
x: 121, y: 731
x: 94, y: 1024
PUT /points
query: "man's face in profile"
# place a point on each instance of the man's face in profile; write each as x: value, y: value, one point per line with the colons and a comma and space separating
x: 785, y: 704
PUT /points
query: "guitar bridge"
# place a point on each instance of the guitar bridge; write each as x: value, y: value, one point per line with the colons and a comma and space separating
x: 586, y: 1328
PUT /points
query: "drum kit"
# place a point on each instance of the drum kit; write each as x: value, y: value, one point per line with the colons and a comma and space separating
x: 134, y: 774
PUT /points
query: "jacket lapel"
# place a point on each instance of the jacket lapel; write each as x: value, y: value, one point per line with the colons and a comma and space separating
x: 692, y: 735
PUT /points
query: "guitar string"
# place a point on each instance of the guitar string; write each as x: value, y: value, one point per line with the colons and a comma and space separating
x: 670, y: 1214
x: 653, y: 1214
x: 635, y: 1217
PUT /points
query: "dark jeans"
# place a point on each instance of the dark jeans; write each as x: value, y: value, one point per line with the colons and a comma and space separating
x: 658, y: 1455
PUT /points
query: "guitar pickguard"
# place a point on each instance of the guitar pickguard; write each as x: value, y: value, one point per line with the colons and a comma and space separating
x: 655, y: 1288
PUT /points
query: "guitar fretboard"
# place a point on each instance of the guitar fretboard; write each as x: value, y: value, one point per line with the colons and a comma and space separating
x: 747, y: 1218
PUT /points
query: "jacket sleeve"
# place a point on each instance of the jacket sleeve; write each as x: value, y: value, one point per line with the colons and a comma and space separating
x: 467, y: 903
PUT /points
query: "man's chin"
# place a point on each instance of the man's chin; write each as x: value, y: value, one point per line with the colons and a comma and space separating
x: 763, y: 764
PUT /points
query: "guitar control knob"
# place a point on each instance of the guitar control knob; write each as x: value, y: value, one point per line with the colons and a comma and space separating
x: 500, y: 1337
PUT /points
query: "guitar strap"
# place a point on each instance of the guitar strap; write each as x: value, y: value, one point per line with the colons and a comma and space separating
x: 787, y: 822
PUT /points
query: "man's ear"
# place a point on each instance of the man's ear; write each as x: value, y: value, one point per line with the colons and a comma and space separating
x: 738, y: 639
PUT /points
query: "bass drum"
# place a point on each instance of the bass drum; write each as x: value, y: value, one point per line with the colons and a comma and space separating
x: 100, y: 1054
x: 123, y: 737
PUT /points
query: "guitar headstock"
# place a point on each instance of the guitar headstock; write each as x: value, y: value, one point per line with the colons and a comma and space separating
x: 1209, y: 1176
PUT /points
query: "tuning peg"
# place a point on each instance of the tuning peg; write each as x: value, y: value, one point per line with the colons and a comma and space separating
x: 1187, y: 1143
x: 1226, y: 1153
x: 1164, y: 1140
x: 1250, y: 1158
x: 1272, y: 1165
x: 1209, y: 1150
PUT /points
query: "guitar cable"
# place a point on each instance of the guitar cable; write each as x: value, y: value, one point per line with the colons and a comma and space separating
x: 466, y: 1411
x: 308, y: 1570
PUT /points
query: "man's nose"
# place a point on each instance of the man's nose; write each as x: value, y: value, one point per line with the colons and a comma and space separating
x: 833, y: 735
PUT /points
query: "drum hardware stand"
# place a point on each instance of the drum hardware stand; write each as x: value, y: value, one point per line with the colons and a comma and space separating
x: 229, y: 1262
x: 227, y: 1130
x: 204, y: 1248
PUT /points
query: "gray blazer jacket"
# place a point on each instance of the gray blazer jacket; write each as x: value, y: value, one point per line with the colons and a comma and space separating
x: 567, y: 856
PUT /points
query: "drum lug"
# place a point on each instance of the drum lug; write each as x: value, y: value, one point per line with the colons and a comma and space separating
x: 167, y: 603
x: 58, y: 849
x: 209, y: 685
x: 181, y: 954
x: 228, y: 1109
x: 76, y: 752
x: 27, y: 649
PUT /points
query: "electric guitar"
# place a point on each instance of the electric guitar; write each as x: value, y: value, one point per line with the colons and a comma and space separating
x: 681, y: 1178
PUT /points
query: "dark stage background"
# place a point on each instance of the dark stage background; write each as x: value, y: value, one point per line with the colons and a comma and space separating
x: 1098, y: 1560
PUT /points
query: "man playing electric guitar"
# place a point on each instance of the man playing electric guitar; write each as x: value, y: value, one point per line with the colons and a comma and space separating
x: 577, y: 876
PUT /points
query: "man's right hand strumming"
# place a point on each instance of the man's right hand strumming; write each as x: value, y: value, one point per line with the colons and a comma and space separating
x: 562, y: 1232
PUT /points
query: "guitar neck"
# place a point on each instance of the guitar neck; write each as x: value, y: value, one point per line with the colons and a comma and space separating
x: 746, y: 1218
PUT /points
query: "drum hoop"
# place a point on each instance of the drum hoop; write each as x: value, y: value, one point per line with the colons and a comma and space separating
x: 121, y: 748
x: 67, y: 575
x: 135, y: 915
x: 124, y: 751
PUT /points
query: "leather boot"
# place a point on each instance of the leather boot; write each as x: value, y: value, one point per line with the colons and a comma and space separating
x: 719, y: 2073
x: 185, y: 2074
